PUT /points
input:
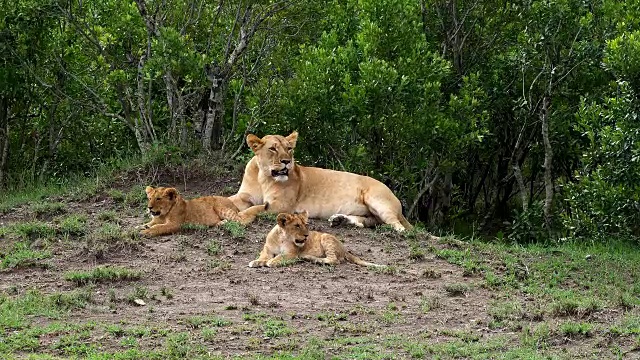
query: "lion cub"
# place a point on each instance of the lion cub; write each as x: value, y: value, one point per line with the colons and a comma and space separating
x: 290, y: 239
x: 170, y: 210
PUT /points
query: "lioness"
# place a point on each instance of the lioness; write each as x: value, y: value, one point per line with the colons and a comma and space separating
x: 291, y: 239
x: 169, y: 211
x: 345, y: 198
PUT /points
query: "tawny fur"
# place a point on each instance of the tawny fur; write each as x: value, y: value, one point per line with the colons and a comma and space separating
x: 291, y: 239
x: 170, y: 210
x: 344, y: 198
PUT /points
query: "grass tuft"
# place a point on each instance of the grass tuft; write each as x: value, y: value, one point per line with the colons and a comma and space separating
x: 48, y: 208
x: 136, y: 197
x: 110, y: 237
x: 116, y: 195
x: 30, y: 230
x: 416, y: 252
x: 431, y: 274
x: 21, y: 256
x: 194, y: 227
x: 428, y: 303
x: 15, y: 313
x: 457, y: 289
x: 197, y: 322
x: 166, y: 292
x: 567, y: 303
x: 235, y: 229
x: 267, y: 216
x: 139, y: 292
x: 214, y: 248
x: 108, y: 215
x: 102, y: 275
x: 75, y: 224
x: 387, y: 270
x: 571, y: 328
x: 273, y: 328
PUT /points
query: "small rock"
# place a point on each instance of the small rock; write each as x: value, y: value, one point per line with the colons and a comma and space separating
x: 139, y: 302
x: 588, y: 257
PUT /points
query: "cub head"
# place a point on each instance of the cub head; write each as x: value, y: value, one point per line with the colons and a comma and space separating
x: 295, y: 225
x: 161, y: 199
x: 275, y: 154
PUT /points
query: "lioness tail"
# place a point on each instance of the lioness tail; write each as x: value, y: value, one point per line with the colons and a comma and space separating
x: 405, y: 223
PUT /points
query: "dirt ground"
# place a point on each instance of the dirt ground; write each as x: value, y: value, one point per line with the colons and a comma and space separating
x: 182, y: 281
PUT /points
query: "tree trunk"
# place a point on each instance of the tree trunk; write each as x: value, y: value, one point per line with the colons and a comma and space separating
x: 125, y: 102
x: 211, y: 137
x: 425, y: 28
x: 445, y: 199
x: 54, y: 138
x: 145, y: 134
x: 523, y: 190
x: 548, y: 157
x: 176, y: 107
x: 4, y: 139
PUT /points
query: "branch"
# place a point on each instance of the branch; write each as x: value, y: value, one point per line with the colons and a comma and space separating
x: 245, y: 36
x: 92, y: 40
x: 189, y: 18
x: 213, y: 24
x: 233, y: 29
x: 425, y: 188
x: 533, y: 83
x: 568, y: 72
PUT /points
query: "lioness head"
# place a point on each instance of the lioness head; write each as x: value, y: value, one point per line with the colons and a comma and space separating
x: 161, y: 199
x: 295, y: 225
x: 275, y: 154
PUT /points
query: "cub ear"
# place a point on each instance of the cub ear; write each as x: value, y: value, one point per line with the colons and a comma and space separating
x: 148, y: 190
x: 171, y: 193
x: 254, y: 142
x: 302, y: 214
x: 282, y: 219
x: 292, y: 138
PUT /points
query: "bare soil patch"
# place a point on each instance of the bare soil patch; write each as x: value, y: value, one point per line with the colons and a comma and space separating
x: 270, y: 310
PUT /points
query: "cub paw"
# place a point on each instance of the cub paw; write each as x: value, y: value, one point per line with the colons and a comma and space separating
x: 338, y: 220
x: 272, y: 263
x: 257, y: 263
x: 145, y: 233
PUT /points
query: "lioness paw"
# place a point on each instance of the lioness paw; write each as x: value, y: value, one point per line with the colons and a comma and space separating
x: 338, y: 220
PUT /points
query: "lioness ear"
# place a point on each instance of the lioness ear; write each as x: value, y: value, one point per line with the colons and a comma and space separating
x: 304, y: 215
x: 171, y: 193
x: 254, y: 142
x: 292, y: 138
x: 148, y: 190
x: 282, y: 219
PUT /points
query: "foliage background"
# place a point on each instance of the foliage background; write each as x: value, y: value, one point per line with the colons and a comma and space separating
x: 445, y: 101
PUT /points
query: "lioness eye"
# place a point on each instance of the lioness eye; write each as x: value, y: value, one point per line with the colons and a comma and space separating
x: 272, y: 148
x: 298, y: 226
x: 158, y: 198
